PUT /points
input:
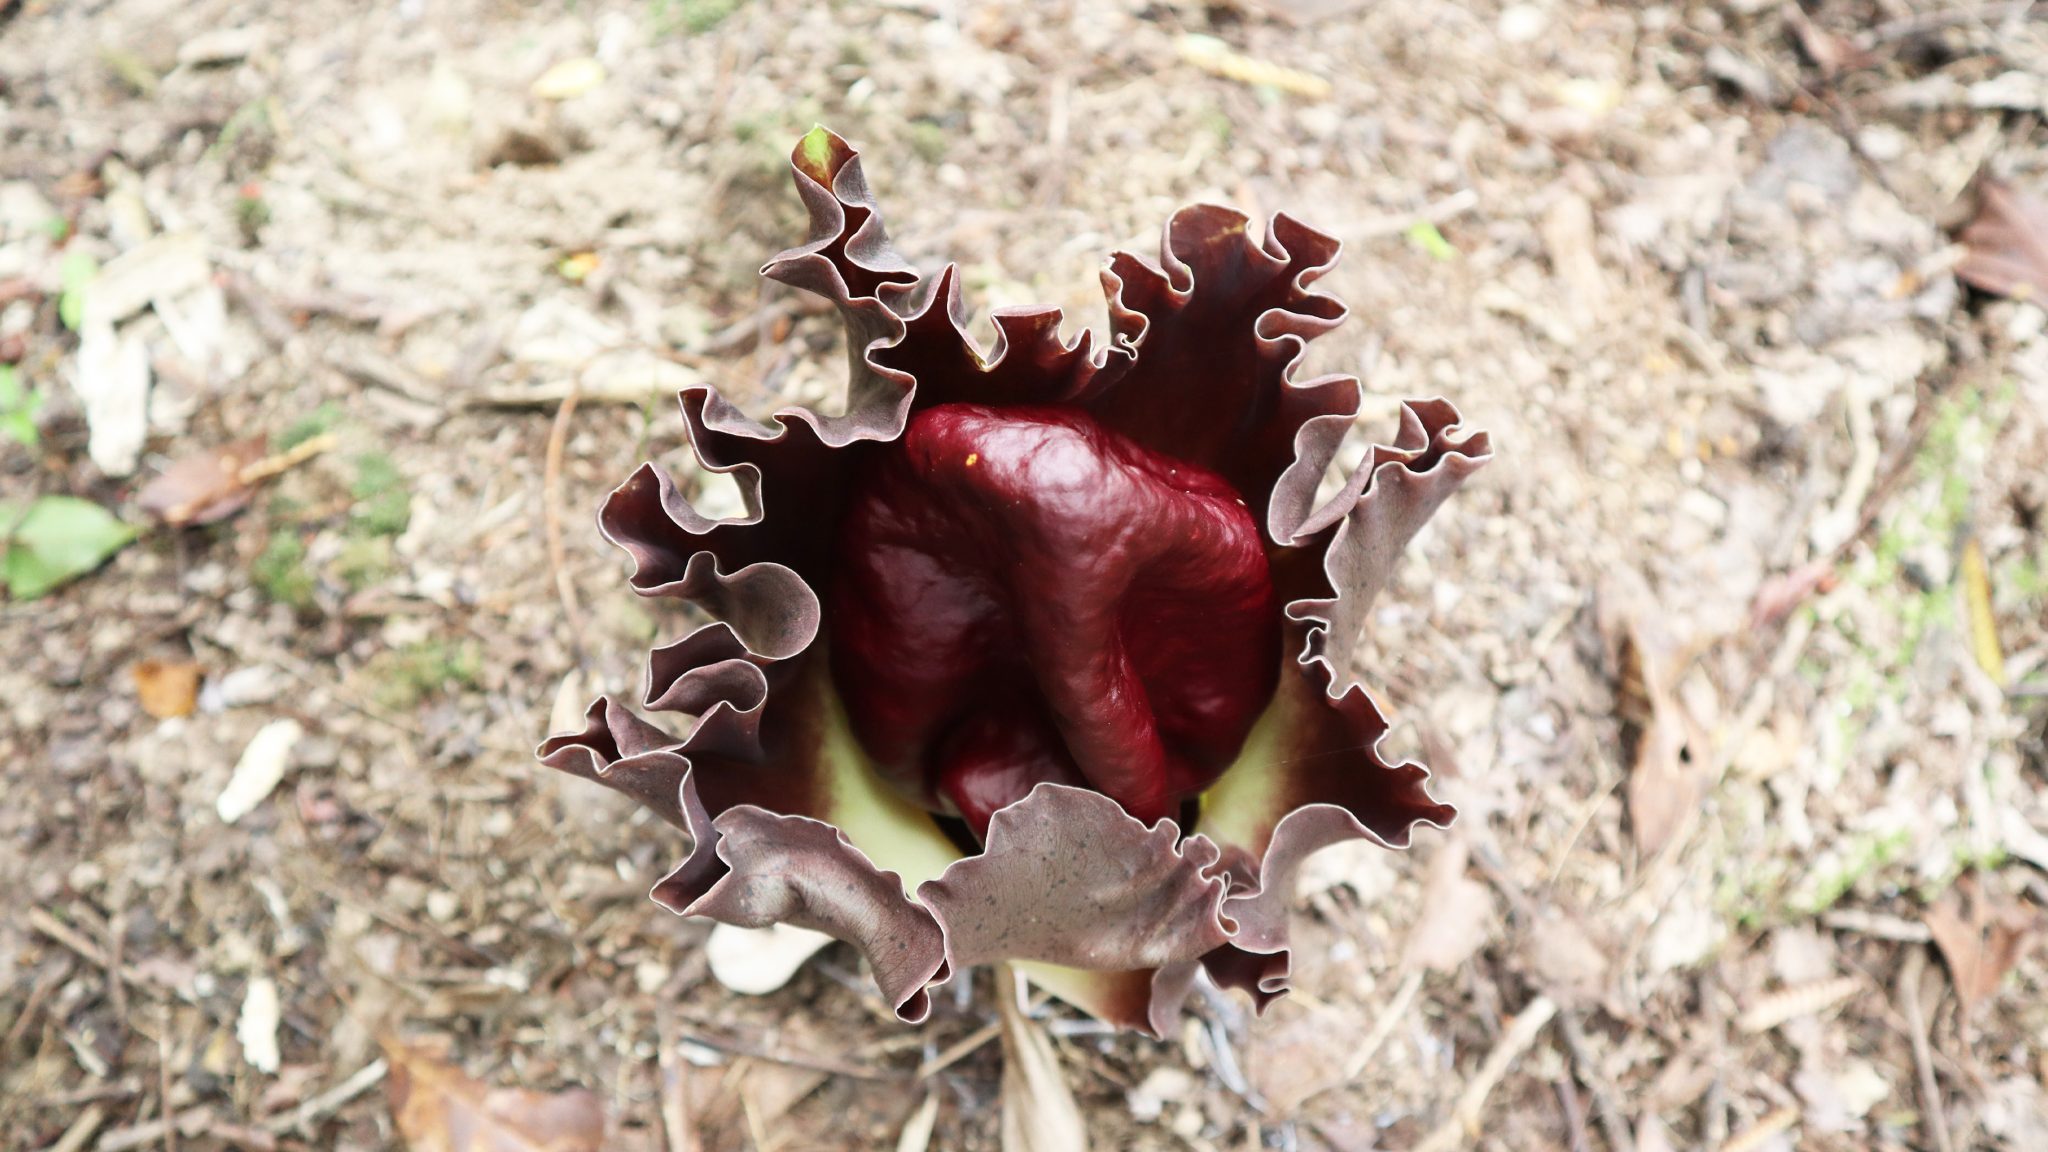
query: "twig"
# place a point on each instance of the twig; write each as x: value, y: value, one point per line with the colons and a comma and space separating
x: 192, y: 1121
x: 327, y: 1102
x: 260, y: 470
x: 551, y: 509
x: 1758, y: 1134
x: 1612, y: 1123
x: 1923, y: 1056
x: 1877, y: 926
x: 81, y: 1130
x: 1574, y: 1113
x: 1390, y: 1018
x: 1458, y: 1131
x: 163, y: 1078
x: 959, y: 1050
x: 42, y: 921
x: 1911, y: 26
x: 676, y: 1127
x: 793, y: 1059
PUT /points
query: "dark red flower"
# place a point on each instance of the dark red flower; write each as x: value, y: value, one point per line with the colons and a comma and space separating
x: 1040, y: 654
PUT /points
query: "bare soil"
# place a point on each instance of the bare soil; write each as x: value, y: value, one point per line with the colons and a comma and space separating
x: 1694, y: 656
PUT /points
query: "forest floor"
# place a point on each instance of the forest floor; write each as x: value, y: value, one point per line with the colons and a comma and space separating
x: 1734, y: 659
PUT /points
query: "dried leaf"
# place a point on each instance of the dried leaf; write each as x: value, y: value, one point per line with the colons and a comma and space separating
x: 203, y: 487
x: 439, y: 1109
x: 1976, y: 579
x: 2006, y: 243
x: 1039, y: 1113
x: 1457, y: 913
x: 167, y: 688
x: 1664, y: 780
x: 1828, y: 53
x: 1980, y: 939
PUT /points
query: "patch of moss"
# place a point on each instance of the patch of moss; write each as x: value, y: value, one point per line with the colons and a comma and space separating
x: 363, y: 561
x: 928, y: 140
x: 403, y: 677
x: 319, y: 420
x: 280, y: 570
x: 383, y: 505
x: 692, y: 16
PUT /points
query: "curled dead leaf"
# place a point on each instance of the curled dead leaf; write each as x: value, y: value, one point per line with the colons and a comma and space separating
x: 1980, y: 937
x: 167, y: 688
x: 1457, y: 913
x: 2005, y: 243
x: 438, y: 1108
x: 1664, y: 781
x: 202, y: 487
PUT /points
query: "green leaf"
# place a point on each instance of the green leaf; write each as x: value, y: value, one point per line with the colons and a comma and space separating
x: 18, y: 408
x: 1424, y: 235
x: 77, y: 271
x: 56, y: 540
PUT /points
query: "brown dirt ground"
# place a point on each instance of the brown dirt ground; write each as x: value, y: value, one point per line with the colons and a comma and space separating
x: 1696, y: 287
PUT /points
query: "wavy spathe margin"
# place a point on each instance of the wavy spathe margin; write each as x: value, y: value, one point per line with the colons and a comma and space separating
x: 789, y: 819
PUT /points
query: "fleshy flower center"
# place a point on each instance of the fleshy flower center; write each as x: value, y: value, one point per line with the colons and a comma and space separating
x: 1024, y: 596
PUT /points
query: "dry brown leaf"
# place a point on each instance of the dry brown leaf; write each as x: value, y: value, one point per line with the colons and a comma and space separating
x: 1980, y: 938
x: 202, y: 487
x: 1828, y: 53
x: 1457, y: 913
x: 2006, y: 243
x: 1664, y: 776
x: 1565, y: 957
x: 167, y: 688
x: 440, y: 1109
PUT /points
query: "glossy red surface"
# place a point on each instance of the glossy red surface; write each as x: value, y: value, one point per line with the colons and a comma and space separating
x: 1022, y: 595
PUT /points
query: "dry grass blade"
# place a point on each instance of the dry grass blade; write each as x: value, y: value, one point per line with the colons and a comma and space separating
x: 1976, y: 580
x: 1458, y: 1131
x: 438, y: 1108
x: 1039, y: 1113
x: 1756, y: 1135
x: 917, y: 1131
x: 1792, y: 1003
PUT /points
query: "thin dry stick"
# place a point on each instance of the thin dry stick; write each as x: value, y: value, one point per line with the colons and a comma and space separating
x: 551, y: 509
x: 1923, y: 1056
x: 81, y: 1130
x: 959, y: 1050
x: 1390, y: 1018
x: 42, y: 921
x: 327, y: 1102
x: 676, y: 1126
x: 1619, y: 1138
x: 163, y: 1076
x: 1463, y: 1125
